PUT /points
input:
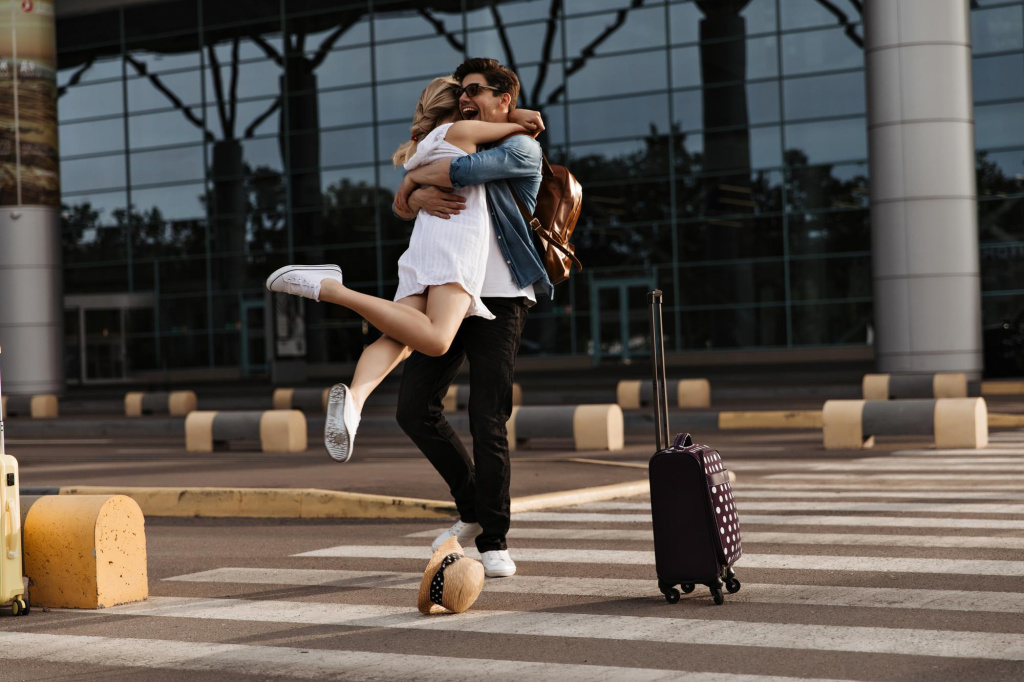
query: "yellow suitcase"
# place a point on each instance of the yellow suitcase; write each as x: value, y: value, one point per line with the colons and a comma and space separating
x: 13, y: 584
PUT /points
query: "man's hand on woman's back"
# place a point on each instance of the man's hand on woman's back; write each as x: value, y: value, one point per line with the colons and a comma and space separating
x: 435, y: 201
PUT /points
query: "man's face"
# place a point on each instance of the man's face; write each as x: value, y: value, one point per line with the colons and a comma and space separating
x: 487, y: 106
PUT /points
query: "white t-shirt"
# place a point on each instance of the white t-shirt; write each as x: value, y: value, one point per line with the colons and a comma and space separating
x: 498, y: 282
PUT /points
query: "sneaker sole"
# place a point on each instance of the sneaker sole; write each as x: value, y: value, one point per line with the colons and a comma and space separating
x: 506, y: 573
x: 464, y: 541
x: 276, y: 274
x: 336, y: 436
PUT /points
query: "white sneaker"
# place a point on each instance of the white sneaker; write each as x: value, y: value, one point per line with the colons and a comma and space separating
x: 342, y: 422
x: 498, y: 564
x: 302, y: 280
x: 465, y: 532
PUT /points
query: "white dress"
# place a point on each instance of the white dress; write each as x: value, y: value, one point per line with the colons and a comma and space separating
x: 446, y: 251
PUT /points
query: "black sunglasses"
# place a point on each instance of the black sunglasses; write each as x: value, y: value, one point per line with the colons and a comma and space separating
x: 473, y: 89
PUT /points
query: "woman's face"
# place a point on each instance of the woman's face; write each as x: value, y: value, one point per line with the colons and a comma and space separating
x: 488, y: 105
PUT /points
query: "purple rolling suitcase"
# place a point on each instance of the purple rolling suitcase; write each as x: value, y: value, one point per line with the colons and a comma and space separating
x: 696, y: 530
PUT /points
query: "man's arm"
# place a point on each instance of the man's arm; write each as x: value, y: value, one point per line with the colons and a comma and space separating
x: 517, y: 157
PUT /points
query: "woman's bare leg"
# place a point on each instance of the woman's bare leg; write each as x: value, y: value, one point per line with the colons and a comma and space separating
x: 430, y: 332
x: 380, y: 358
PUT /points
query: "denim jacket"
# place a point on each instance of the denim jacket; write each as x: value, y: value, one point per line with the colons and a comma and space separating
x: 517, y: 160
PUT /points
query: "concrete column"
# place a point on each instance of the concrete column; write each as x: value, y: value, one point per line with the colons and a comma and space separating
x: 31, y: 285
x: 927, y: 292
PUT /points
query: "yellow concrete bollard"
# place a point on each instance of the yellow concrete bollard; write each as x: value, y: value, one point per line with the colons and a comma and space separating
x: 843, y: 426
x: 693, y: 393
x: 598, y: 427
x: 86, y: 551
x: 961, y: 423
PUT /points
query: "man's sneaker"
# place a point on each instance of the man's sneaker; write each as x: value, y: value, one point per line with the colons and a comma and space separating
x: 302, y: 280
x: 465, y: 532
x: 498, y: 564
x: 342, y: 422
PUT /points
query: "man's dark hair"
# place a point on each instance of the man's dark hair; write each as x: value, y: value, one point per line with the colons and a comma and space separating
x: 497, y: 76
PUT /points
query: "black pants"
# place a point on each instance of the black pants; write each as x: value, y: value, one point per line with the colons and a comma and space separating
x: 479, y: 485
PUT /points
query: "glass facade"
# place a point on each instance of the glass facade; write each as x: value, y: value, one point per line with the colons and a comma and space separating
x: 722, y: 147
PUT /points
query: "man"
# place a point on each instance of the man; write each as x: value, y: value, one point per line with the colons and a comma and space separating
x: 515, y: 277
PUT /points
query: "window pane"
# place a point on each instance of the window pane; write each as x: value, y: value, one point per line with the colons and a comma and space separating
x: 831, y: 324
x: 827, y: 141
x: 998, y: 77
x: 345, y: 67
x: 167, y: 165
x: 171, y: 127
x: 88, y: 210
x: 623, y: 30
x: 346, y: 107
x: 92, y: 173
x: 998, y: 125
x: 350, y: 146
x: 996, y: 30
x: 820, y: 51
x: 612, y: 118
x: 608, y: 76
x: 89, y: 100
x: 806, y: 13
x: 143, y: 92
x: 425, y: 57
x: 95, y: 136
x: 835, y: 95
x: 178, y: 202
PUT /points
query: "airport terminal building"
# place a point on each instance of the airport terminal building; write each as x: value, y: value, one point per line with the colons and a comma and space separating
x: 826, y: 180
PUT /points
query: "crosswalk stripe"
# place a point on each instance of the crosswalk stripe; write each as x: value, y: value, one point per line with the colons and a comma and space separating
x: 266, y: 661
x: 994, y: 449
x: 679, y: 630
x: 907, y: 464
x: 828, y: 505
x: 873, y: 597
x: 960, y: 478
x: 785, y: 520
x: 810, y: 562
x: 851, y: 539
x: 874, y: 487
x: 753, y: 491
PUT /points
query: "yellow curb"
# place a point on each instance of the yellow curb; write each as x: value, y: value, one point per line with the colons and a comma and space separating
x: 998, y: 420
x: 579, y: 496
x: 799, y: 419
x: 1002, y: 388
x: 288, y: 503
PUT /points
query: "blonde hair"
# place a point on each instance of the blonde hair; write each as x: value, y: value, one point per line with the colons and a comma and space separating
x: 437, y: 103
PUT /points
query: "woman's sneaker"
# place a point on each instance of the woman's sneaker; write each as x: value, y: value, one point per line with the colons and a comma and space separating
x: 302, y: 280
x: 498, y: 564
x: 465, y: 532
x: 342, y: 422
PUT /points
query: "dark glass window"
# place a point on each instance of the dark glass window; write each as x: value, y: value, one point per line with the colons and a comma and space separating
x: 834, y: 95
x: 998, y: 78
x: 814, y: 51
x: 998, y: 29
x: 999, y: 125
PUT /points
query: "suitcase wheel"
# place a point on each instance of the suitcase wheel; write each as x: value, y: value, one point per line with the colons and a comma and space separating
x: 672, y: 596
x: 19, y: 607
x: 687, y: 588
x: 733, y: 585
x: 719, y: 596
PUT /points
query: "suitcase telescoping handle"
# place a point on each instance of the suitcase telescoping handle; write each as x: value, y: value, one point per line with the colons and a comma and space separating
x: 658, y: 366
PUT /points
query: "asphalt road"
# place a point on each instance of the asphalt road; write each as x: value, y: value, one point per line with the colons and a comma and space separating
x: 901, y: 563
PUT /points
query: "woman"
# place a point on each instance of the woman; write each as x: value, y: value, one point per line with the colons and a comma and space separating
x: 440, y: 274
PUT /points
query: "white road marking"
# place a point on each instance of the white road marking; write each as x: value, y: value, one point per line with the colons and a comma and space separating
x: 749, y: 537
x: 810, y: 562
x: 784, y: 520
x: 319, y: 664
x: 817, y: 595
x: 959, y: 478
x: 676, y: 630
x: 874, y: 487
x: 839, y: 506
x: 59, y: 441
x: 774, y: 491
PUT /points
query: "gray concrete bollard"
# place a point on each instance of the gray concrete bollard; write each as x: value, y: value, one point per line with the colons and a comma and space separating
x: 174, y: 403
x: 954, y: 422
x: 43, y: 406
x: 914, y: 386
x: 277, y: 430
x: 590, y: 427
x: 633, y: 394
x: 457, y: 397
x: 309, y: 400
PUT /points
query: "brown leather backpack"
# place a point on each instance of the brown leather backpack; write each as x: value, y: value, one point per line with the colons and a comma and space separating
x: 559, y: 200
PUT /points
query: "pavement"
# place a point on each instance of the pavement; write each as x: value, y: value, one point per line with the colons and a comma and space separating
x: 897, y: 563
